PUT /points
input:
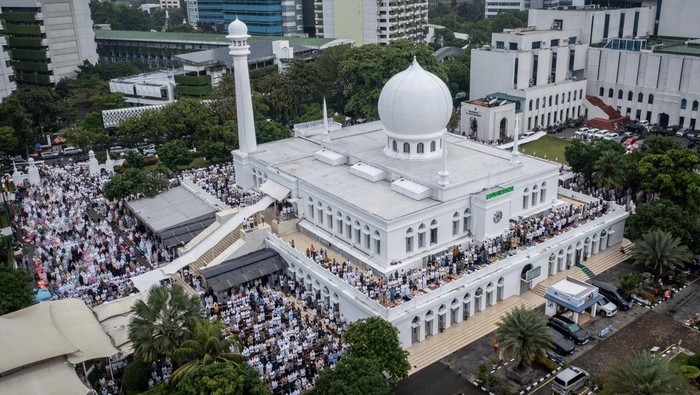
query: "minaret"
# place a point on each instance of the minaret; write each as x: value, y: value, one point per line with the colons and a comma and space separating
x: 239, y: 49
x: 443, y: 172
x: 515, y: 153
x: 326, y: 133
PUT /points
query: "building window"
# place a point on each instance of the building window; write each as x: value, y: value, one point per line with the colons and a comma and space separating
x: 534, y: 195
x: 568, y: 97
x: 630, y: 95
x: 500, y: 45
x: 550, y: 100
x: 638, y: 115
x: 572, y: 40
x: 513, y: 46
x: 611, y: 91
x: 620, y: 31
x: 526, y: 198
x: 636, y: 24
x: 543, y: 192
x: 455, y: 224
x: 606, y: 26
x: 575, y: 95
x: 311, y: 208
x: 640, y: 97
x: 530, y: 105
x: 394, y: 146
x: 465, y: 218
x: 421, y: 236
x: 536, y: 44
x: 348, y: 228
x: 651, y: 99
x: 419, y: 148
x: 366, y: 231
x: 695, y: 105
x: 377, y: 243
x: 406, y: 148
x: 357, y: 232
x: 681, y: 121
x: 580, y: 94
x: 409, y: 240
x: 684, y: 104
x: 537, y: 103
x: 433, y: 232
x: 648, y: 118
x: 620, y: 94
x: 556, y: 100
x: 554, y: 43
x: 601, y: 92
x: 432, y: 146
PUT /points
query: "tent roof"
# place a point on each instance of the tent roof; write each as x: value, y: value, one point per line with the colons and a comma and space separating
x: 236, y: 271
x: 51, y: 329
x: 171, y: 209
x: 116, y: 307
x: 51, y: 377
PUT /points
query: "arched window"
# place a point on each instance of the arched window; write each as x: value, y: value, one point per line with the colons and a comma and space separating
x: 433, y: 232
x: 357, y: 232
x: 367, y: 238
x: 556, y: 100
x: 348, y: 228
x: 419, y: 148
x: 377, y: 243
x: 543, y: 192
x: 568, y: 98
x: 406, y: 148
x: 339, y: 222
x: 611, y: 92
x: 684, y: 104
x: 329, y: 215
x: 409, y: 240
x: 534, y: 195
x: 651, y: 99
x: 601, y: 91
x: 530, y: 105
x: 311, y: 207
x: 562, y: 97
x: 620, y: 94
x: 466, y: 217
x: 550, y: 100
x: 319, y: 210
x: 394, y: 146
x: 432, y: 146
x: 526, y: 198
x: 537, y: 103
x: 640, y: 97
x: 455, y: 223
x: 630, y: 95
x: 695, y: 105
x: 575, y: 92
x: 421, y: 236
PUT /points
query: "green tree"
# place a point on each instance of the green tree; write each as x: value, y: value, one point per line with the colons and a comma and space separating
x: 665, y: 215
x: 206, y: 347
x: 630, y: 282
x: 15, y: 291
x: 659, y: 251
x: 353, y: 376
x: 522, y: 334
x: 643, y: 374
x: 224, y: 98
x: 134, y: 159
x: 656, y: 144
x: 155, y: 181
x: 9, y: 144
x: 222, y: 379
x: 376, y: 339
x: 162, y: 322
x: 122, y: 16
x: 674, y: 175
x: 129, y: 183
x: 583, y: 157
x: 87, y: 139
x: 13, y: 115
x: 45, y: 108
x: 135, y: 378
x: 609, y: 170
x: 187, y: 119
x: 267, y: 131
x: 174, y: 153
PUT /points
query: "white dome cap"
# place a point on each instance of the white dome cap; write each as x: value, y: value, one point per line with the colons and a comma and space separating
x: 237, y: 28
x: 415, y: 104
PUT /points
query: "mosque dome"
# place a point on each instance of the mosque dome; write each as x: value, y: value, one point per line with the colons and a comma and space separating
x: 237, y: 28
x: 415, y: 107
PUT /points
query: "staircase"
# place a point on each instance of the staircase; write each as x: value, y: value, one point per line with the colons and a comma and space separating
x: 613, y: 116
x: 215, y: 251
x: 585, y: 269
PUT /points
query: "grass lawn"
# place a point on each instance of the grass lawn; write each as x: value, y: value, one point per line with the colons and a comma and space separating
x: 547, y: 147
x: 680, y: 360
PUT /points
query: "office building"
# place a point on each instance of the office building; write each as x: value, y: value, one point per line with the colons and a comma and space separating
x: 264, y: 17
x: 48, y: 39
x: 7, y: 75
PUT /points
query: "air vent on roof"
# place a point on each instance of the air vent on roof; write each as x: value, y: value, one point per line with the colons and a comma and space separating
x: 329, y: 157
x: 411, y: 189
x: 369, y: 173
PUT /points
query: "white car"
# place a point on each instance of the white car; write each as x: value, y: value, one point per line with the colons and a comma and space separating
x: 610, y: 136
x: 72, y: 151
x: 581, y: 131
x: 680, y: 132
x: 591, y: 132
x: 600, y: 134
x: 528, y: 134
x: 606, y: 308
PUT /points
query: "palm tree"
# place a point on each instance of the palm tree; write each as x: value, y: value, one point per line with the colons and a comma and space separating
x: 608, y: 170
x: 162, y: 322
x: 642, y: 374
x: 206, y: 347
x: 522, y: 333
x: 660, y: 251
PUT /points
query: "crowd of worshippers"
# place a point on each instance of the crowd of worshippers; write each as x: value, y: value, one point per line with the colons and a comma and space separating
x: 281, y: 339
x: 219, y: 181
x: 74, y: 250
x: 444, y: 267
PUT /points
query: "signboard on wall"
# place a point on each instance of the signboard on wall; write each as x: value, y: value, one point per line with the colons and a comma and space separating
x: 499, y: 193
x: 533, y: 273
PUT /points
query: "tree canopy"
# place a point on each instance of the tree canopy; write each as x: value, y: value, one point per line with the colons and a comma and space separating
x: 522, y: 334
x: 668, y: 216
x: 15, y: 292
x: 644, y: 374
x: 174, y: 153
x: 221, y: 379
x: 376, y: 339
x: 353, y: 376
x: 660, y: 251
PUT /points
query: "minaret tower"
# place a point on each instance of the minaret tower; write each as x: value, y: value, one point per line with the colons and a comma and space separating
x: 239, y: 49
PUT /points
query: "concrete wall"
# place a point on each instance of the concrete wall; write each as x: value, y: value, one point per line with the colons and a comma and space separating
x: 679, y: 18
x: 70, y: 35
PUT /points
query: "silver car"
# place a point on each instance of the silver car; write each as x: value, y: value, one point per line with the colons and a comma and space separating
x: 570, y: 380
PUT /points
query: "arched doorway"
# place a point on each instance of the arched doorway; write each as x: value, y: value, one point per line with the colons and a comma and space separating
x: 442, y: 318
x: 467, y: 306
x: 490, y: 295
x: 552, y: 264
x: 478, y: 297
x: 500, y: 289
x: 663, y: 119
x: 525, y: 285
x: 429, y: 324
x: 503, y: 129
x: 454, y: 311
x: 415, y: 330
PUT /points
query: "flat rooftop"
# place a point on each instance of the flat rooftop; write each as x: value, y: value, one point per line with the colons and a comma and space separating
x: 201, y: 38
x: 677, y: 47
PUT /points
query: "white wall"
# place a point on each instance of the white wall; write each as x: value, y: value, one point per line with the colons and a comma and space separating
x: 679, y: 18
x: 70, y: 36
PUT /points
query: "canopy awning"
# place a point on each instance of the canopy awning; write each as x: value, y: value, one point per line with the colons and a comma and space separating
x: 237, y: 271
x: 277, y: 191
x: 55, y: 376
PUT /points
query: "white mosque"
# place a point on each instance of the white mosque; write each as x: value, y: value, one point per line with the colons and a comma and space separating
x: 390, y: 195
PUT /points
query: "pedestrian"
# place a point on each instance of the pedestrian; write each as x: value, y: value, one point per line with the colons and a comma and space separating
x: 495, y: 346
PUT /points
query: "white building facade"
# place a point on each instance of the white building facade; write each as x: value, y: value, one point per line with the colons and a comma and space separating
x: 543, y: 68
x: 371, y: 21
x: 146, y: 89
x: 7, y: 75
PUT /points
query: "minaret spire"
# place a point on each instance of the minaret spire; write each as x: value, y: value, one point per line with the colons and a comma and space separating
x: 443, y: 172
x: 326, y: 133
x: 515, y: 153
x: 239, y: 49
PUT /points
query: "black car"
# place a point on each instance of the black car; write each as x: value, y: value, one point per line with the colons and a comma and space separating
x: 569, y: 329
x: 556, y: 129
x: 614, y: 294
x: 561, y: 344
x: 574, y: 122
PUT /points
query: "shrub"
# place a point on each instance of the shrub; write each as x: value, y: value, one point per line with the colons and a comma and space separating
x: 689, y: 371
x: 492, y: 381
x: 694, y: 360
x: 481, y: 376
x: 648, y: 296
x: 150, y: 161
x: 546, y: 363
x: 135, y: 378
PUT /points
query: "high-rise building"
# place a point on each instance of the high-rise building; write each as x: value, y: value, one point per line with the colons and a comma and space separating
x: 7, y: 76
x: 192, y: 12
x: 47, y: 39
x: 263, y: 17
x: 371, y: 21
x: 169, y: 4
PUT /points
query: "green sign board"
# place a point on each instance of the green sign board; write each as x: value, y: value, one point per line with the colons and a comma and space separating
x: 533, y: 273
x: 499, y: 193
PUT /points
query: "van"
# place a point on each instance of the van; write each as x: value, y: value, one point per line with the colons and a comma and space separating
x: 613, y: 294
x: 570, y: 380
